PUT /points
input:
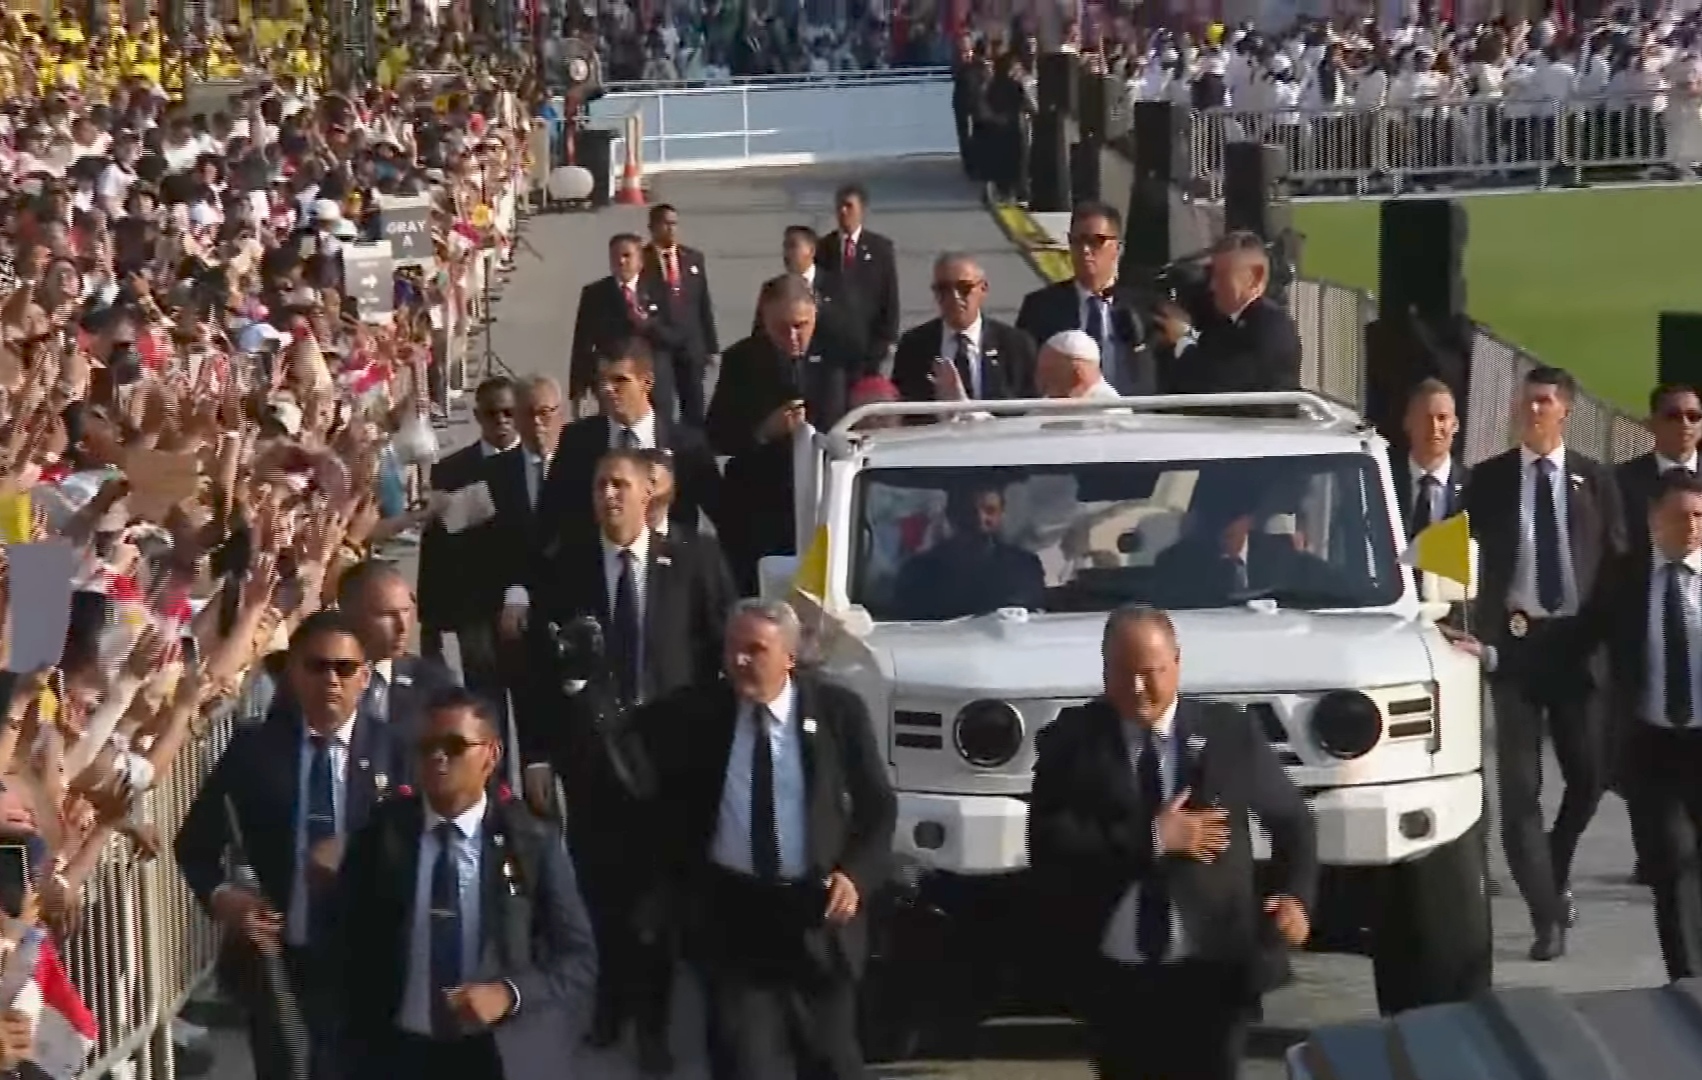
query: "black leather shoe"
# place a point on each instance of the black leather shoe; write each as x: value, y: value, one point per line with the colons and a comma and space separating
x: 1549, y: 945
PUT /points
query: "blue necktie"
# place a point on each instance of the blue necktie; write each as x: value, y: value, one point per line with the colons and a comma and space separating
x: 445, y: 930
x: 626, y: 645
x: 1095, y: 327
x: 377, y: 698
x: 321, y: 825
x: 1551, y: 593
x: 1152, y: 911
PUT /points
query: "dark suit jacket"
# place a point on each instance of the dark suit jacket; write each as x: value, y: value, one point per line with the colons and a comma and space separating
x: 756, y: 504
x: 851, y: 807
x: 1089, y: 839
x: 690, y: 309
x: 840, y: 314
x: 1453, y: 499
x: 604, y: 320
x: 1195, y: 568
x: 1007, y: 362
x: 534, y: 934
x: 1258, y: 351
x: 874, y: 279
x: 1638, y: 481
x: 1596, y: 527
x: 260, y: 774
x: 1052, y: 309
x: 446, y: 598
x: 686, y: 597
x: 697, y: 481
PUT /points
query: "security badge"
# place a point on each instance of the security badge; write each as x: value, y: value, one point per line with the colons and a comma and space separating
x: 1518, y: 624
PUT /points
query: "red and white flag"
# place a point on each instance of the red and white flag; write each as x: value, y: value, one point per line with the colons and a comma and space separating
x: 65, y: 1030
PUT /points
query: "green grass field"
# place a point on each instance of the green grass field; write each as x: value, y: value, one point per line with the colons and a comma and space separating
x: 1575, y: 277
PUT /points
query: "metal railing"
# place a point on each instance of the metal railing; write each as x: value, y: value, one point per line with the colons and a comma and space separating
x: 1470, y: 142
x: 1332, y: 318
x: 143, y: 943
x: 805, y: 78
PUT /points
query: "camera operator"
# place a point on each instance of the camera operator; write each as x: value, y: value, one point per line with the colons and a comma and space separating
x: 623, y: 616
x: 1234, y: 338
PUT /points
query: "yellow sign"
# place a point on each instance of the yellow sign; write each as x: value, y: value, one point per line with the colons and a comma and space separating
x: 482, y: 216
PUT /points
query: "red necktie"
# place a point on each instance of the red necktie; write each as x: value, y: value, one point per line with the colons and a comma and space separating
x: 672, y: 261
x: 632, y: 302
x: 850, y: 253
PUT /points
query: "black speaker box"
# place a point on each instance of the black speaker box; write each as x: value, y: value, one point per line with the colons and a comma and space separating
x: 1055, y: 82
x: 1097, y: 104
x: 1401, y: 352
x: 1160, y: 132
x: 1251, y: 175
x: 1421, y: 265
x: 1147, y: 230
x: 1085, y: 171
x: 1049, y: 165
x: 1679, y: 338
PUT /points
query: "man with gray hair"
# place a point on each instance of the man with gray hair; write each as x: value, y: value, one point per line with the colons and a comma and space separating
x: 963, y: 355
x: 777, y: 818
x: 1069, y: 367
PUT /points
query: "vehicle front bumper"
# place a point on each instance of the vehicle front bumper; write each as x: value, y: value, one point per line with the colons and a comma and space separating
x: 1363, y: 825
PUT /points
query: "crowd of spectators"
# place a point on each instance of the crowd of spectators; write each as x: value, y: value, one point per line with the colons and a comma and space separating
x: 199, y: 425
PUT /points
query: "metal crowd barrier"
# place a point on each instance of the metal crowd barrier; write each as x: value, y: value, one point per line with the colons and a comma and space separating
x: 1355, y: 150
x: 1332, y: 318
x: 142, y: 942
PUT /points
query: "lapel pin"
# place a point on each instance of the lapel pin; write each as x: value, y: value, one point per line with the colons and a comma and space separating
x: 497, y: 841
x: 693, y: 268
x: 363, y: 764
x: 663, y: 560
x: 404, y: 680
x: 809, y: 725
x: 1196, y: 743
x: 380, y: 783
x: 1577, y: 481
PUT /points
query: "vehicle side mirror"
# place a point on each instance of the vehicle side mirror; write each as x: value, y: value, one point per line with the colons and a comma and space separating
x: 1130, y: 543
x: 1440, y: 590
x: 774, y: 574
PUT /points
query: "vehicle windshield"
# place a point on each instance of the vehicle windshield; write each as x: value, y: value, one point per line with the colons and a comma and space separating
x: 944, y: 543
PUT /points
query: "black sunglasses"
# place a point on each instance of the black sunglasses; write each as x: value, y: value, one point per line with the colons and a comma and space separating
x: 340, y: 666
x: 1689, y: 416
x: 451, y: 746
x: 964, y: 289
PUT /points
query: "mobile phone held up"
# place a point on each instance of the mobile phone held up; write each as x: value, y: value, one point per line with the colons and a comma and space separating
x: 14, y: 878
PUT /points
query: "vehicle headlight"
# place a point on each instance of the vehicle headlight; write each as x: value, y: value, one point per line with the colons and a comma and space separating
x: 1347, y: 723
x: 988, y: 733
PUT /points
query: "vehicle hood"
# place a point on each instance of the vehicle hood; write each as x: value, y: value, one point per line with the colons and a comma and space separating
x: 1222, y: 652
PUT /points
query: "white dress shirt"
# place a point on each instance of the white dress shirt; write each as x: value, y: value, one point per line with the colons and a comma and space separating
x: 1523, y: 595
x: 809, y: 276
x: 1438, y: 493
x: 1690, y: 587
x: 948, y: 352
x: 1664, y: 464
x: 645, y: 429
x: 296, y: 919
x: 732, y: 845
x: 417, y: 989
x: 1118, y: 942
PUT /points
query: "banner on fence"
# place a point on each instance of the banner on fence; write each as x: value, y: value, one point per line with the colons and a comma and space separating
x: 369, y: 278
x: 407, y: 228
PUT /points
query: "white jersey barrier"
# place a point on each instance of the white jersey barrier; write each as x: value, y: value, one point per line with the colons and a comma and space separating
x: 804, y: 120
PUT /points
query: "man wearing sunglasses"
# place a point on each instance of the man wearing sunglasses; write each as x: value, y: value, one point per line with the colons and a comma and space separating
x: 469, y: 953
x: 1095, y: 302
x: 296, y: 786
x: 963, y: 355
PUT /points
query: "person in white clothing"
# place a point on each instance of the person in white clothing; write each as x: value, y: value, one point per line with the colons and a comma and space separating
x: 1069, y: 367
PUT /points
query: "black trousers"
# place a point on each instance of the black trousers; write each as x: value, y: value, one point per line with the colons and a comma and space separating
x: 314, y: 981
x: 484, y: 670
x: 1183, y: 1021
x: 419, y: 1058
x: 1662, y: 772
x: 781, y: 1006
x: 1531, y: 699
x: 635, y: 973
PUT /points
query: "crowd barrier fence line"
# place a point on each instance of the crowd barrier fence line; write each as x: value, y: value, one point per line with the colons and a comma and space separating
x: 1542, y: 143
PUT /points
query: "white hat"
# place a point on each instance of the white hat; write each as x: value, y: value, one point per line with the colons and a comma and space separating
x: 345, y: 230
x: 1075, y: 344
x: 327, y: 210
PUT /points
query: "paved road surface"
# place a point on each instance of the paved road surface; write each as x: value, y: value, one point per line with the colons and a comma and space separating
x: 736, y: 219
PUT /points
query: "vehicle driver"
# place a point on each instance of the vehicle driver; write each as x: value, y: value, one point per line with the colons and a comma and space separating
x: 974, y: 570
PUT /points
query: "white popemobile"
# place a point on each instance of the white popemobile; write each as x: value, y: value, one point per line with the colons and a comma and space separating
x: 963, y: 570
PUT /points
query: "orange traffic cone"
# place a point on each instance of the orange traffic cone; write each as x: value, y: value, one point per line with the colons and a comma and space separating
x: 632, y: 191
